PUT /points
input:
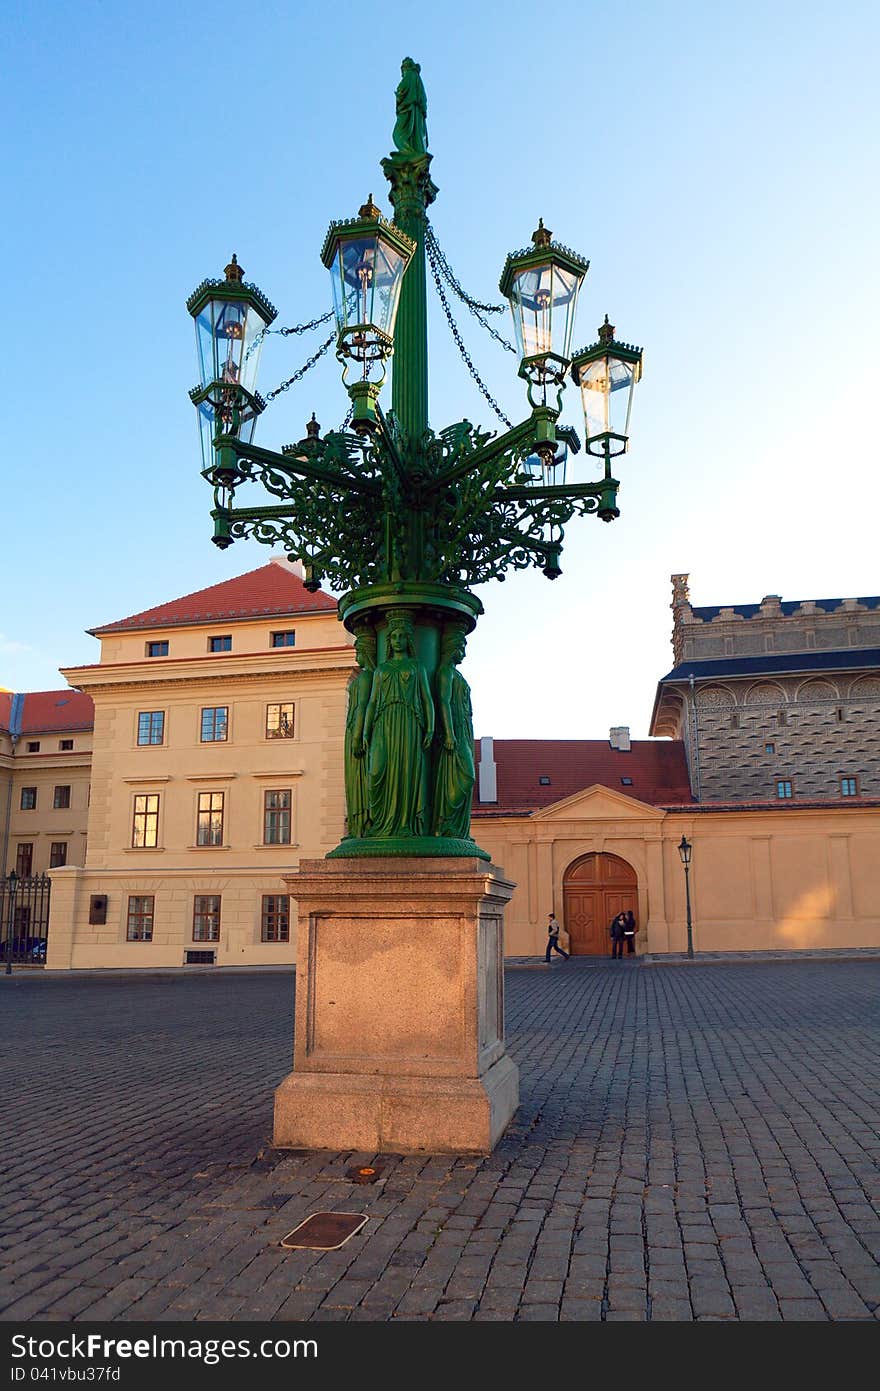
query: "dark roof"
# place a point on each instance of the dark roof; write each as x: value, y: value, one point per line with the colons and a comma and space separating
x: 657, y: 768
x: 769, y: 662
x: 788, y: 607
x: 270, y: 591
x: 46, y: 712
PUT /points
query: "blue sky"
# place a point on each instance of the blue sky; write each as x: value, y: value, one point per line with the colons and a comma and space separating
x: 717, y: 165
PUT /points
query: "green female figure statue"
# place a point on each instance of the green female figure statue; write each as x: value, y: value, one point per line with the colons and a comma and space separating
x: 356, y: 790
x: 411, y: 127
x: 398, y: 730
x: 454, y: 782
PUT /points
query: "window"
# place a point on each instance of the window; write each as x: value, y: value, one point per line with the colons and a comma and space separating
x: 840, y: 714
x: 781, y: 717
x: 214, y: 724
x: 734, y: 722
x: 626, y: 782
x: 34, y: 746
x: 769, y: 748
x: 275, y: 925
x: 279, y: 721
x: 151, y: 726
x: 28, y: 799
x: 221, y: 644
x: 543, y: 782
x: 206, y: 918
x: 145, y: 829
x: 783, y: 789
x: 157, y: 649
x: 140, y: 918
x: 849, y: 787
x: 276, y: 817
x: 287, y: 639
x: 210, y: 827
x: 57, y: 854
x: 61, y: 798
x: 65, y: 745
x: 24, y: 859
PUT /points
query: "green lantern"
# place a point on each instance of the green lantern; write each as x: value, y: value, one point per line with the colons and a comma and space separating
x: 231, y: 317
x: 607, y: 373
x: 542, y: 287
x: 366, y: 257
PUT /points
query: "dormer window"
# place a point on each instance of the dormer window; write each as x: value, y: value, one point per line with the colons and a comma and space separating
x: 543, y: 782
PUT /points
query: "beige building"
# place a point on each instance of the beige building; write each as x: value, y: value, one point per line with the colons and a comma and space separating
x: 45, y: 761
x: 216, y: 766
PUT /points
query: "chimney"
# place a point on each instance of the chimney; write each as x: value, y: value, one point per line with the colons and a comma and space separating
x: 488, y: 784
x: 618, y: 738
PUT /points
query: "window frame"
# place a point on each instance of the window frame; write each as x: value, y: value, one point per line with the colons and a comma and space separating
x: 32, y: 805
x: 157, y: 642
x: 149, y: 715
x: 33, y: 746
x: 274, y: 919
x: 784, y: 796
x: 852, y: 778
x: 24, y: 853
x: 279, y: 812
x: 214, y: 738
x: 280, y: 705
x: 61, y: 797
x: 206, y: 831
x: 225, y: 638
x: 150, y: 820
x: 282, y: 633
x: 206, y: 921
x: 54, y: 847
x: 140, y: 915
x: 65, y: 746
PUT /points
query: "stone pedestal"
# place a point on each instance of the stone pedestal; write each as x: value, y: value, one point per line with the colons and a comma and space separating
x: 399, y: 1034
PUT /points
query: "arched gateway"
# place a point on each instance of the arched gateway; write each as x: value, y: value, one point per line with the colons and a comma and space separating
x: 595, y: 889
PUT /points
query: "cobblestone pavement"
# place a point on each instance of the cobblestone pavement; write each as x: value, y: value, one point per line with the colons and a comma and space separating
x: 690, y: 1145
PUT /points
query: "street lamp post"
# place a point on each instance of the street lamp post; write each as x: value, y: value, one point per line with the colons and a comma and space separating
x: 12, y: 890
x: 404, y: 521
x: 685, y: 850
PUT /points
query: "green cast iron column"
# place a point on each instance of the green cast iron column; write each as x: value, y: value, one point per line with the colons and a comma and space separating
x: 411, y: 193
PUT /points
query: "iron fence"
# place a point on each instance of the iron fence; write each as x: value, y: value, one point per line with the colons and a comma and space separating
x: 24, y: 920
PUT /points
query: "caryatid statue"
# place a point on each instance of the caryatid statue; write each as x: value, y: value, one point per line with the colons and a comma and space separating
x: 356, y: 790
x: 411, y: 127
x: 454, y: 778
x: 398, y: 731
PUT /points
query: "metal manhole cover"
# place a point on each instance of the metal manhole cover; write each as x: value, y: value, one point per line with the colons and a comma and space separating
x: 324, y: 1231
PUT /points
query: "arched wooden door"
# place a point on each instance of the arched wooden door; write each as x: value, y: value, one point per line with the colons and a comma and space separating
x: 595, y: 890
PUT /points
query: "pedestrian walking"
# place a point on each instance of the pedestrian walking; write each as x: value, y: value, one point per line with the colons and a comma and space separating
x: 616, y: 933
x: 629, y: 931
x: 553, y: 931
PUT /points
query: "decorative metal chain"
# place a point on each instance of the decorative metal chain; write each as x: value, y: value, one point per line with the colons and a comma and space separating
x: 297, y: 376
x: 286, y: 332
x: 430, y: 246
x: 477, y: 308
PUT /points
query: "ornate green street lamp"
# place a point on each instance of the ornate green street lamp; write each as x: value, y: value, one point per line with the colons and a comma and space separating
x: 402, y: 519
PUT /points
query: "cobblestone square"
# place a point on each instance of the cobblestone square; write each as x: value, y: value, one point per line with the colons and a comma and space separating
x: 692, y: 1143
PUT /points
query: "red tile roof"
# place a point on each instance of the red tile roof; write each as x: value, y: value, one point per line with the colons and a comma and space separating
x: 657, y: 768
x: 48, y: 711
x: 272, y: 590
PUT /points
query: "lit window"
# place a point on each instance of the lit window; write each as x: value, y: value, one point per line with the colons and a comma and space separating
x: 157, y: 649
x: 65, y: 745
x: 61, y: 798
x: 783, y: 789
x: 206, y: 918
x: 279, y: 721
x: 275, y: 924
x: 140, y: 918
x: 276, y: 817
x: 151, y: 726
x: 215, y: 720
x: 287, y: 639
x: 849, y: 787
x: 222, y: 644
x: 28, y: 799
x: 57, y: 854
x: 210, y: 827
x: 145, y: 827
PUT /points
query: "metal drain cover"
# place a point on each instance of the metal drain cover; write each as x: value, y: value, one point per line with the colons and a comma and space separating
x: 324, y: 1231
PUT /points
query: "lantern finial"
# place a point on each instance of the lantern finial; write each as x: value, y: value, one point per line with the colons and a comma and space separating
x: 313, y: 429
x: 369, y: 209
x: 540, y: 236
x: 234, y: 271
x: 606, y: 331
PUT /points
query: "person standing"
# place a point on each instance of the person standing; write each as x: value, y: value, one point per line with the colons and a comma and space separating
x: 616, y: 933
x: 629, y: 931
x: 553, y: 931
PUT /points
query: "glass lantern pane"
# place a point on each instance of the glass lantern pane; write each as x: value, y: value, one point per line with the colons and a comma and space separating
x: 254, y: 324
x: 358, y: 274
x: 226, y: 333
x: 206, y: 433
x: 606, y: 388
x: 544, y: 298
x: 565, y: 292
x: 390, y: 265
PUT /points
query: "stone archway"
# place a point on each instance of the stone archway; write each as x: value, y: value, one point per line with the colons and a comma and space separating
x: 595, y: 889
